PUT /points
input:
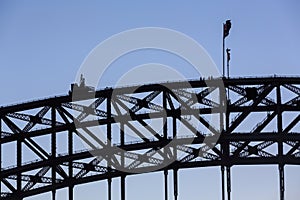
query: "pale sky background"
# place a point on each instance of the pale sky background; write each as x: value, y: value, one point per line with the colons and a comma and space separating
x: 43, y: 43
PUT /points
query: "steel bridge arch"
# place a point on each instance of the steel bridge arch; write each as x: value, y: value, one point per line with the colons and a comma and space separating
x: 275, y: 99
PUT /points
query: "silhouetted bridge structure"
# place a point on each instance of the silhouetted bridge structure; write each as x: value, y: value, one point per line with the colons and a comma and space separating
x: 156, y: 127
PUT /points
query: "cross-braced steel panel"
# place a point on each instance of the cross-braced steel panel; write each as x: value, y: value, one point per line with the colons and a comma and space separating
x: 69, y: 140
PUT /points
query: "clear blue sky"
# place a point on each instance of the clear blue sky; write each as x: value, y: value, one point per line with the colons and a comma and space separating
x: 43, y: 43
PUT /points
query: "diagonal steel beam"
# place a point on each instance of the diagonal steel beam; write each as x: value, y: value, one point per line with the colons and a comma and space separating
x: 8, y: 185
x: 36, y: 178
x: 84, y: 171
x: 243, y: 115
x: 40, y: 114
x: 145, y: 101
x: 256, y: 129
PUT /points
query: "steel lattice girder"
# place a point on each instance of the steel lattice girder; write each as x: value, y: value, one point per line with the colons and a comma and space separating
x: 170, y: 101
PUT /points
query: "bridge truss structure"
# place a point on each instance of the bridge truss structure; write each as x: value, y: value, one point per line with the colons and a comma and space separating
x: 61, y: 142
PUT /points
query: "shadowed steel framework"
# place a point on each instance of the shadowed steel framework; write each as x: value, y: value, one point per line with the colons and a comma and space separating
x: 158, y: 127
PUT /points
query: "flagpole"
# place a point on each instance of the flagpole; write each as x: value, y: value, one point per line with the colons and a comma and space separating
x: 227, y: 69
x: 226, y: 28
x: 227, y: 74
x: 228, y: 64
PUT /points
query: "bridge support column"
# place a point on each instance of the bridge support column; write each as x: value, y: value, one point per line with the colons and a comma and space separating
x: 109, y: 188
x: 166, y: 184
x: 53, y: 151
x: 123, y: 187
x: 70, y: 149
x: 53, y: 194
x: 71, y: 196
x: 175, y: 184
x: 19, y: 163
x: 228, y: 183
x: 280, y: 142
x: 223, y: 182
x: 281, y: 181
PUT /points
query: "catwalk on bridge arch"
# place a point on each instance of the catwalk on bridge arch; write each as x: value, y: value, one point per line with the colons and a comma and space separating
x: 157, y: 127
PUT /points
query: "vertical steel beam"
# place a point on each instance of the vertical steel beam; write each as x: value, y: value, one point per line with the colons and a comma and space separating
x: 108, y: 109
x: 280, y: 143
x: 166, y: 183
x: 122, y: 141
x: 109, y: 143
x: 108, y: 131
x: 53, y: 151
x: 123, y: 187
x: 228, y: 183
x: 109, y: 188
x: 223, y: 182
x: 71, y: 192
x: 174, y: 135
x: 70, y: 149
x: 122, y: 138
x: 175, y: 178
x: 222, y: 132
x: 19, y: 163
x: 165, y: 117
x: 279, y: 122
x: 165, y: 132
x: 226, y: 152
x: 281, y: 179
x: 175, y: 158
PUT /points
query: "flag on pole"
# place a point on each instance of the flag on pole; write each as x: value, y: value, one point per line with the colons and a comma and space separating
x: 226, y: 28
